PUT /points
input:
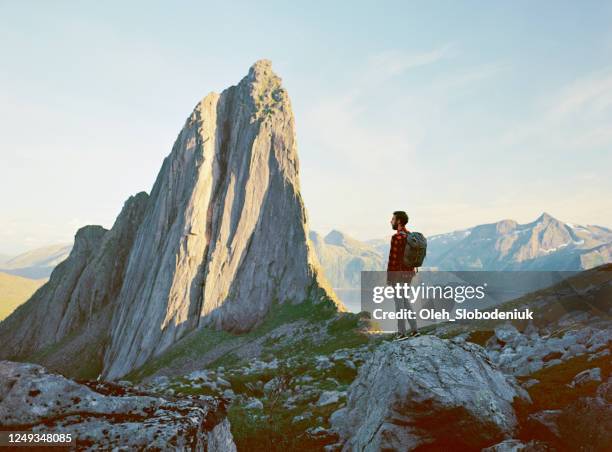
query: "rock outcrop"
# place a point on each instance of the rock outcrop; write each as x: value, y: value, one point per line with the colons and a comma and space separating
x: 522, y: 354
x: 428, y: 391
x: 222, y: 236
x: 76, y: 305
x: 105, y: 416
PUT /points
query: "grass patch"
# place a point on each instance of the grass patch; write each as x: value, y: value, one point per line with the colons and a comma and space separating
x: 196, y: 344
x: 84, y: 361
x: 185, y: 387
x: 273, y: 428
x: 346, y: 321
x: 480, y: 337
x: 342, y: 373
x: 205, y: 339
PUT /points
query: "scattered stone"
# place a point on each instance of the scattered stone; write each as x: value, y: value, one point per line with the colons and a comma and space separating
x: 600, y: 354
x: 529, y: 383
x: 350, y: 364
x: 198, y: 375
x: 514, y: 445
x: 103, y: 415
x: 301, y: 417
x: 586, y: 376
x: 328, y: 398
x: 507, y: 333
x: 223, y: 382
x: 316, y: 431
x: 547, y: 419
x: 254, y: 404
x: 272, y: 385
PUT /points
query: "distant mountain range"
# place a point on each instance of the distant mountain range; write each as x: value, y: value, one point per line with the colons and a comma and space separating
x: 344, y: 258
x: 544, y: 244
x: 37, y: 263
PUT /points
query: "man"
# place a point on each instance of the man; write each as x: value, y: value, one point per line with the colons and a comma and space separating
x: 397, y: 271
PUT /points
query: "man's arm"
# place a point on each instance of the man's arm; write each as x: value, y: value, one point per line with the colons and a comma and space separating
x: 395, y: 254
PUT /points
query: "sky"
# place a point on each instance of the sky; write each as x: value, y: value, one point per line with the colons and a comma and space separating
x: 458, y: 112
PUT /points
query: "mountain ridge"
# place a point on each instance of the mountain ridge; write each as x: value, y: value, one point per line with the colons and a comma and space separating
x: 36, y: 263
x: 542, y: 244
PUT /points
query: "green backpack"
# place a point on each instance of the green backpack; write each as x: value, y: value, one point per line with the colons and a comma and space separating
x: 416, y: 249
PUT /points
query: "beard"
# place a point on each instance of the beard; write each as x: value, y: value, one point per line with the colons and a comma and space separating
x: 394, y: 226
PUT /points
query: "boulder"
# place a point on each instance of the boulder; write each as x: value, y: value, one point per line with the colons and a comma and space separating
x: 106, y: 416
x: 508, y: 334
x: 428, y: 391
x: 254, y: 404
x: 329, y: 398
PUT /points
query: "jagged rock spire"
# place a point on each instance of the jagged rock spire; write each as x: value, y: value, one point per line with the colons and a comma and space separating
x: 222, y: 236
x: 225, y: 234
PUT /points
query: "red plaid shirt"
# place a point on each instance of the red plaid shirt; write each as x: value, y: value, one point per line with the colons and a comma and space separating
x: 396, y: 253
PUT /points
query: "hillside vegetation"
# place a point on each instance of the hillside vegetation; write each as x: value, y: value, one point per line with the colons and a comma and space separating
x: 15, y: 290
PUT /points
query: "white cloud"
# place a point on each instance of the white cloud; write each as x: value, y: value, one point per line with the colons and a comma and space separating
x: 391, y: 63
x: 575, y: 117
x: 363, y: 140
x: 590, y: 95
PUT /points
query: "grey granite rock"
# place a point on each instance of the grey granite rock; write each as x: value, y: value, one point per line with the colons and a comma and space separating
x: 547, y: 419
x: 103, y: 416
x: 76, y: 305
x: 515, y: 445
x: 329, y: 398
x: 586, y: 376
x: 427, y: 391
x: 225, y: 233
x: 508, y: 334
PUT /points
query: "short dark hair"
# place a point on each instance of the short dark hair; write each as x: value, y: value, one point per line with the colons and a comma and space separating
x: 401, y: 216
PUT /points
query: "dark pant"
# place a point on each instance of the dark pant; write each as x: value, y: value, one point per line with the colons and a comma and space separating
x: 402, y: 303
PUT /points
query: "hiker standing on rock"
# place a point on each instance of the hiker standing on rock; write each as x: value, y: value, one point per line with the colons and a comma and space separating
x: 407, y: 252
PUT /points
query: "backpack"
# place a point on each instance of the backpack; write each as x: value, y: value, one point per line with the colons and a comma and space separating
x: 416, y: 249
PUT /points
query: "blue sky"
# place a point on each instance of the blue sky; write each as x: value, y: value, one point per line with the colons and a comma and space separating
x: 458, y: 112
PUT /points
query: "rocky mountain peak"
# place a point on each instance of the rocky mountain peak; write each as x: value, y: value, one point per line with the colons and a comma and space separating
x: 547, y: 219
x: 206, y: 248
x: 265, y: 90
x: 335, y: 237
x: 88, y: 238
x: 261, y: 75
x: 506, y: 226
